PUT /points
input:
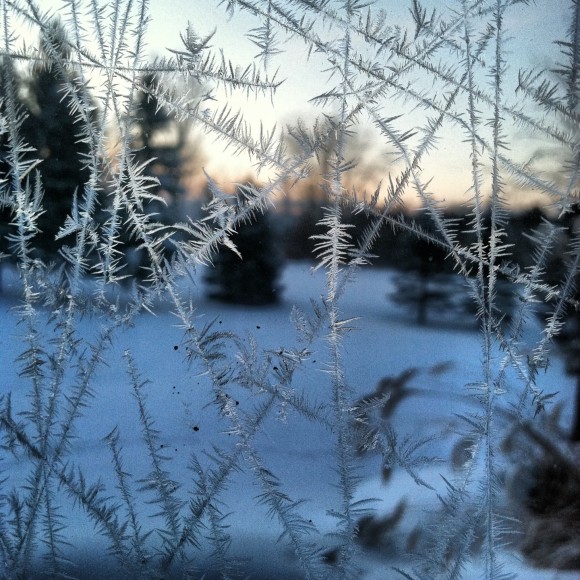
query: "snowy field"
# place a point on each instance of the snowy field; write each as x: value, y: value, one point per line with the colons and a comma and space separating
x: 385, y: 343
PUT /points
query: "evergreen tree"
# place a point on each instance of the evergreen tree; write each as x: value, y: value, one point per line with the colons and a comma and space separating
x: 299, y: 244
x: 569, y: 337
x: 159, y: 140
x: 51, y: 129
x: 250, y: 277
x: 424, y: 280
x: 5, y: 199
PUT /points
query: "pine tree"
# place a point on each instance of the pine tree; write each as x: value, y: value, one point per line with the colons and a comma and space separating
x: 5, y: 213
x: 5, y: 210
x: 569, y: 338
x: 159, y: 140
x: 52, y: 130
x: 251, y: 275
x: 424, y: 281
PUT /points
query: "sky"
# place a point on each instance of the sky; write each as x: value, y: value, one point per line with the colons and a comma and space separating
x: 533, y: 29
x: 532, y: 32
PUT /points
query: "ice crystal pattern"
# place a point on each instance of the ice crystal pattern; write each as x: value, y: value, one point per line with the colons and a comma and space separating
x: 447, y: 75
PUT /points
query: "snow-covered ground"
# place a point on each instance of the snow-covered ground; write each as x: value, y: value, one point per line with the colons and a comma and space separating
x: 384, y: 343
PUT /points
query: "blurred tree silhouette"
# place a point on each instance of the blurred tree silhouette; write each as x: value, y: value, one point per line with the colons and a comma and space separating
x: 51, y: 129
x: 424, y: 280
x: 6, y: 214
x: 159, y: 141
x: 252, y: 278
x: 569, y: 337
